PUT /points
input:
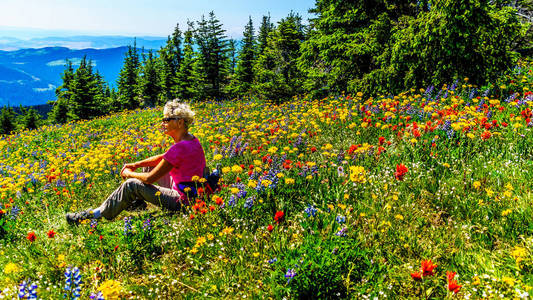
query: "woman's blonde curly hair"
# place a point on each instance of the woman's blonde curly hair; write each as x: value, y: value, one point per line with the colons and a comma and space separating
x: 175, y: 108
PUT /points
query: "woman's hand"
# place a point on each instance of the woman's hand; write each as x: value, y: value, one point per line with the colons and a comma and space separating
x: 125, y: 172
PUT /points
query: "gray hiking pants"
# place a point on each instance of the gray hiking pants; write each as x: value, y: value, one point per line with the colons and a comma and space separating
x: 134, y: 189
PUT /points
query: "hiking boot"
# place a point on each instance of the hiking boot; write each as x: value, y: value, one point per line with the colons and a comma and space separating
x: 137, y: 205
x: 75, y: 218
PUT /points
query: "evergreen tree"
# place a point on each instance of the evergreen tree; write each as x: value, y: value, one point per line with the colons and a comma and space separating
x: 128, y: 77
x: 31, y: 119
x: 381, y: 46
x: 264, y: 30
x: 277, y: 75
x: 58, y: 114
x: 344, y: 40
x: 244, y: 72
x: 7, y: 120
x: 187, y: 78
x: 101, y: 93
x: 213, y: 58
x: 149, y: 83
x: 171, y: 57
x: 83, y: 103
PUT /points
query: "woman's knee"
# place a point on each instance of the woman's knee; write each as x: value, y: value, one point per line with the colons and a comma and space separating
x: 131, y: 183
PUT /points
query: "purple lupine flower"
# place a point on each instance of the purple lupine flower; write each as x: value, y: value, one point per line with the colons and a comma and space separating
x: 98, y: 296
x: 127, y: 226
x: 72, y: 283
x: 147, y: 224
x: 27, y: 290
x: 341, y: 232
x: 310, y: 211
x: 290, y: 275
x: 340, y: 219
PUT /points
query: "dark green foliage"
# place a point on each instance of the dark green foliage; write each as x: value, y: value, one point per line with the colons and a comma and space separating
x: 58, y: 114
x: 277, y: 76
x: 345, y: 39
x: 264, y: 30
x: 244, y: 73
x: 390, y: 46
x: 187, y: 76
x: 213, y: 57
x: 30, y: 118
x: 452, y: 40
x: 127, y: 81
x: 171, y: 57
x: 7, y: 120
x: 149, y: 83
x: 87, y: 93
x: 83, y: 95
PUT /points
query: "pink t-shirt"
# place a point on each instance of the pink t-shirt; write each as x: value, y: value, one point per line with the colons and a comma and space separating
x: 188, y: 160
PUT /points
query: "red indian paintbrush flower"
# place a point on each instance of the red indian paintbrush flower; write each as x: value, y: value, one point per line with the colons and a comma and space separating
x: 427, y: 267
x: 270, y: 228
x: 452, y: 284
x: 278, y: 217
x: 401, y: 170
x: 31, y: 237
x: 51, y: 233
x: 417, y: 276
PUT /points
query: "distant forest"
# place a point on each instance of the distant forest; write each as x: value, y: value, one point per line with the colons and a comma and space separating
x: 369, y: 47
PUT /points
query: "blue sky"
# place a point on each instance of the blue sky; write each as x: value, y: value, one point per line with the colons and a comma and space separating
x: 134, y: 17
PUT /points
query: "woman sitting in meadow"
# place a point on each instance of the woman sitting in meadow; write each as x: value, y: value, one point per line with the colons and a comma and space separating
x: 173, y: 170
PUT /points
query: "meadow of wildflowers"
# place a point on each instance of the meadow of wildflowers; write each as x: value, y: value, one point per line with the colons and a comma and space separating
x: 423, y: 194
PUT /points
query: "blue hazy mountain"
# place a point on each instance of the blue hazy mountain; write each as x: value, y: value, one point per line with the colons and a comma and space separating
x: 30, y: 76
x: 80, y: 42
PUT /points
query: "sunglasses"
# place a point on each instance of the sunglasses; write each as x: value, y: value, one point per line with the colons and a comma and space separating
x: 166, y: 120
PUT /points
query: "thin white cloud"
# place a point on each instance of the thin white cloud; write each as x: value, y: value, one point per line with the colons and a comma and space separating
x: 50, y: 87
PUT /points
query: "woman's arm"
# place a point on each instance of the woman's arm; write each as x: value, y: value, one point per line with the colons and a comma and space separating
x: 162, y: 168
x: 149, y: 162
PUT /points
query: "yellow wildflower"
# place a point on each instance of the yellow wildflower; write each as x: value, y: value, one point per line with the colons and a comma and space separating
x: 111, y: 289
x: 11, y: 268
x: 357, y: 174
x: 227, y: 230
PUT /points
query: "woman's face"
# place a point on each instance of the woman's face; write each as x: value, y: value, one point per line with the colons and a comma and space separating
x: 171, y: 125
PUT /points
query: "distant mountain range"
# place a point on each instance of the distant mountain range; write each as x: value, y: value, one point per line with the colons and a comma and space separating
x: 80, y: 42
x: 30, y: 76
x: 30, y: 69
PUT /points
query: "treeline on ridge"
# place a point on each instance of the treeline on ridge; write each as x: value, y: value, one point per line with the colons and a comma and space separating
x: 374, y: 47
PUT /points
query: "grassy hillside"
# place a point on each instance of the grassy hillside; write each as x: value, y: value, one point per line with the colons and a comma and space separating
x: 340, y: 197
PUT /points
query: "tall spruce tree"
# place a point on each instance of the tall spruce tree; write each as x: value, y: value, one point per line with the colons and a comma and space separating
x: 171, y: 56
x: 245, y: 72
x: 345, y: 39
x: 58, y: 114
x: 187, y: 77
x: 277, y: 75
x: 213, y: 57
x: 264, y: 30
x: 127, y: 80
x: 83, y: 103
x: 149, y: 82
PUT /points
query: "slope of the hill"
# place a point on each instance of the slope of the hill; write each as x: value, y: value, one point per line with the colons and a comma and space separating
x: 426, y: 194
